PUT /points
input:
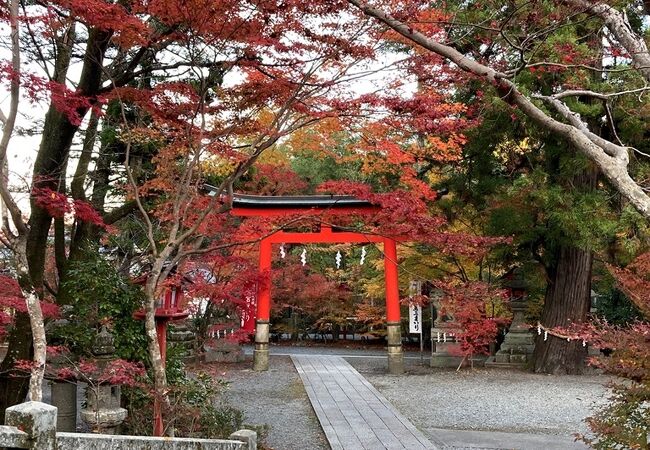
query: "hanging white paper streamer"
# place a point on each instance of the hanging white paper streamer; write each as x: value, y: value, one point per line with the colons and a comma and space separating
x: 282, y: 252
x: 363, y: 255
x: 303, y: 256
x: 338, y: 259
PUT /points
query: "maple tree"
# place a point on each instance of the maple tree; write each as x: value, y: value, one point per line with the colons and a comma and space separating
x: 467, y: 303
x: 151, y: 92
x: 174, y: 94
x: 323, y: 301
x: 389, y: 167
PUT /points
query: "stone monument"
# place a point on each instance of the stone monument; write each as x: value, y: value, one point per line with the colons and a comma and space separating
x: 180, y: 335
x: 223, y: 347
x: 103, y: 412
x: 519, y: 342
x: 64, y: 397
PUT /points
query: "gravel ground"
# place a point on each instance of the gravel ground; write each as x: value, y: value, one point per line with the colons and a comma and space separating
x: 278, y: 399
x: 433, y: 399
x: 488, y: 400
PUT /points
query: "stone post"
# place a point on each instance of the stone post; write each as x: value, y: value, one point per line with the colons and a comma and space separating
x: 261, y: 352
x: 395, y: 356
x: 64, y: 397
x: 36, y: 419
x: 246, y: 436
x: 103, y: 411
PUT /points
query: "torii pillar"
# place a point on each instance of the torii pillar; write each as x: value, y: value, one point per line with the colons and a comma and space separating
x: 393, y: 317
x: 262, y: 322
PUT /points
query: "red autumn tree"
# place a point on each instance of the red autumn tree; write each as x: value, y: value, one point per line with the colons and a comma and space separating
x: 170, y: 84
x: 624, y: 421
x: 466, y: 303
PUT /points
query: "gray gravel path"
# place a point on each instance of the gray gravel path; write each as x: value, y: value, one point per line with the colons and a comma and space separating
x: 489, y: 400
x: 469, y: 409
x: 276, y: 398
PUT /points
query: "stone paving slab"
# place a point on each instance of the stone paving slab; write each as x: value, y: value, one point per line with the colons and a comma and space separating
x: 352, y: 413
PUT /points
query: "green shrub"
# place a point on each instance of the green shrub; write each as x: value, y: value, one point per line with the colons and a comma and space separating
x: 197, y: 409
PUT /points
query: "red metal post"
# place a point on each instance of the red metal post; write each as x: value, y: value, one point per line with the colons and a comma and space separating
x: 264, y: 286
x: 161, y: 331
x: 392, y: 284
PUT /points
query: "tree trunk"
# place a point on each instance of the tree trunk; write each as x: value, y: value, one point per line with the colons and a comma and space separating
x: 57, y: 136
x: 567, y: 301
x: 14, y: 385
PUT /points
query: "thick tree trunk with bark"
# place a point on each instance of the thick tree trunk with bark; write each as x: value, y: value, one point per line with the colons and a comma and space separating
x: 50, y: 163
x: 567, y: 301
x: 13, y: 385
x: 52, y: 157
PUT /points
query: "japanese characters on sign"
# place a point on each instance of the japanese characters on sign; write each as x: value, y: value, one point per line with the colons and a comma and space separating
x: 415, y: 319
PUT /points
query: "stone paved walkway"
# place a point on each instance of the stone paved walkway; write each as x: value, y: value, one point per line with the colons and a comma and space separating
x: 352, y: 413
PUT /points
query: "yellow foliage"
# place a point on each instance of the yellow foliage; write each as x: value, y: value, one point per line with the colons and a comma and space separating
x: 217, y: 167
x: 317, y: 140
x: 275, y: 155
x: 508, y: 149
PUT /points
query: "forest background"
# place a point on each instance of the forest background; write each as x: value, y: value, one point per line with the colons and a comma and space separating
x: 534, y: 114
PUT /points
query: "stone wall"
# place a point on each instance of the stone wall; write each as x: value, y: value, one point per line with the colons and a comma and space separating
x: 32, y: 425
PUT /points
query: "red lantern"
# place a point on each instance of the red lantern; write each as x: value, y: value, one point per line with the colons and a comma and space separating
x: 171, y: 305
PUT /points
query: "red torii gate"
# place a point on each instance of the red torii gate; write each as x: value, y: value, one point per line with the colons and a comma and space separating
x: 267, y: 206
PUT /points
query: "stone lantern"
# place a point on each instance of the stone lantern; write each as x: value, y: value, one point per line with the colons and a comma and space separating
x: 519, y: 343
x: 103, y: 412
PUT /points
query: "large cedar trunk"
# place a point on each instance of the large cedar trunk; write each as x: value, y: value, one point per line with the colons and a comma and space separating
x: 567, y: 301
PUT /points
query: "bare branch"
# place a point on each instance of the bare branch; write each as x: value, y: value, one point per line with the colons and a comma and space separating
x: 614, y: 168
x: 587, y: 93
x: 619, y: 25
x: 574, y: 119
x: 10, y: 122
